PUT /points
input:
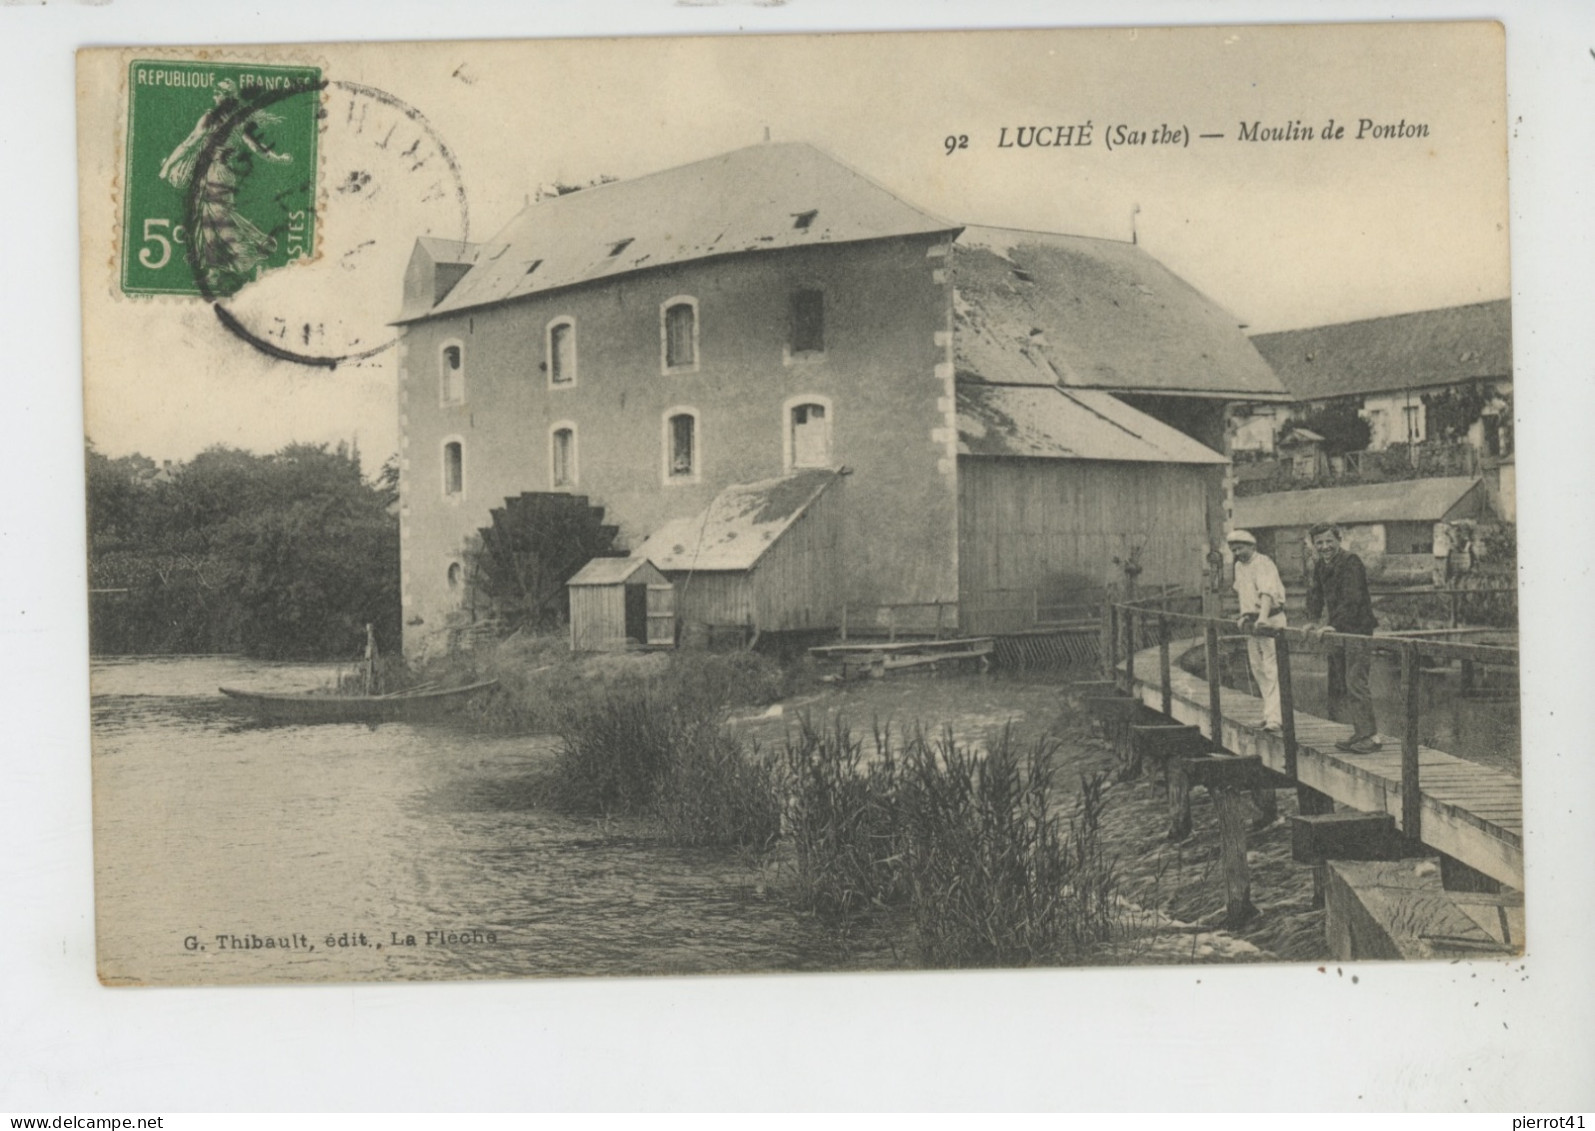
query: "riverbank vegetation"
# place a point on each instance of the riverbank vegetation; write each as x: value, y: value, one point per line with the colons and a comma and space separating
x: 281, y: 556
x: 975, y: 846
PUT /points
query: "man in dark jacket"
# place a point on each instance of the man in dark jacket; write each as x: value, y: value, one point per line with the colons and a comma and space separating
x: 1338, y: 596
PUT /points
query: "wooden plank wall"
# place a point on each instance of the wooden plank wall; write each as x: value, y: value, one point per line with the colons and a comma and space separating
x: 597, y: 618
x: 713, y: 598
x: 797, y: 584
x: 1055, y: 525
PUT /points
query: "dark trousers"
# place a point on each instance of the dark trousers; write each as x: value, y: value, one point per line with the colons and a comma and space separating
x: 1348, y: 685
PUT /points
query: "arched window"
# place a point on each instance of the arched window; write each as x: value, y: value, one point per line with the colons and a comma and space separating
x: 807, y: 440
x: 683, y: 454
x: 562, y: 455
x: 561, y: 352
x: 454, y: 468
x: 456, y: 575
x: 678, y: 334
x: 451, y: 373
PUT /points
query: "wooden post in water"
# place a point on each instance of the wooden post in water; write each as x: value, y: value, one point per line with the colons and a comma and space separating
x: 1215, y: 676
x: 844, y: 622
x: 1234, y: 814
x: 891, y: 624
x: 1164, y: 666
x: 371, y: 661
x: 1411, y: 799
x: 1179, y: 799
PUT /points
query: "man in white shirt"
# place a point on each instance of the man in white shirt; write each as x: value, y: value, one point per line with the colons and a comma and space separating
x: 1262, y: 601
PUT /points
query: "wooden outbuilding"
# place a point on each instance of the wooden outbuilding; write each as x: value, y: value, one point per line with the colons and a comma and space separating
x: 621, y: 603
x: 764, y: 557
x: 1390, y: 526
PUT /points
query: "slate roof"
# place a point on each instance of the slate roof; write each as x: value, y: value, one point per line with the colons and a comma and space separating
x: 1046, y: 422
x: 610, y: 571
x: 760, y: 198
x: 737, y: 528
x: 1403, y: 351
x: 1410, y: 500
x: 1040, y: 309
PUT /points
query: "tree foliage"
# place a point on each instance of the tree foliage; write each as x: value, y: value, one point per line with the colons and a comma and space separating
x: 288, y: 555
x: 1341, y: 427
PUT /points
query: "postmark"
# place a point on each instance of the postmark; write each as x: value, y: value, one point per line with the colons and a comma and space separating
x: 221, y: 174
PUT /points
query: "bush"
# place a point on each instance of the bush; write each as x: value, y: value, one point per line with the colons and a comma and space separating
x: 971, y: 843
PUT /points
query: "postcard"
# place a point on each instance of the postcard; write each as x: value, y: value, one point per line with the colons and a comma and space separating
x: 804, y: 503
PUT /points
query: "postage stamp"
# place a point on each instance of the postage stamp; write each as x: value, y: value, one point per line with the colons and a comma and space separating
x: 221, y: 174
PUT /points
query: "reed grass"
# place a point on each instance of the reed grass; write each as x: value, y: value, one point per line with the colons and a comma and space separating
x: 661, y: 748
x: 971, y: 842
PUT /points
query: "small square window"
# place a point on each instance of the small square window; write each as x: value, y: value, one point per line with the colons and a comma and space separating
x: 808, y: 321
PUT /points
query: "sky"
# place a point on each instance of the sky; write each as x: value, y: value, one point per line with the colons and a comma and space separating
x: 1282, y: 234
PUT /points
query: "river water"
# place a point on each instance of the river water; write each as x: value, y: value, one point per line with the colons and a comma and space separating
x: 342, y: 844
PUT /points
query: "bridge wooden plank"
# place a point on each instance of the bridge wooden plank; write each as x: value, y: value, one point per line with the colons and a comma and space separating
x: 1470, y: 812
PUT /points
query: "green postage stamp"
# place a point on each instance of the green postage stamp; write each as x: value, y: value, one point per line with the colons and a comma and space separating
x: 221, y: 174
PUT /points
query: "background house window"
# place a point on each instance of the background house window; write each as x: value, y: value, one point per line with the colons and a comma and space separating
x: 683, y: 440
x: 1414, y: 422
x: 453, y: 468
x: 681, y: 336
x: 453, y: 374
x: 808, y: 321
x: 811, y: 436
x: 564, y: 457
x: 562, y: 353
x: 455, y: 575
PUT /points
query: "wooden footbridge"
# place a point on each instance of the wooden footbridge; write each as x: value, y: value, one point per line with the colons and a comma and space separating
x: 1406, y: 800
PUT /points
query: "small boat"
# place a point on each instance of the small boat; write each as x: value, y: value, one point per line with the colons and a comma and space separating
x: 407, y: 706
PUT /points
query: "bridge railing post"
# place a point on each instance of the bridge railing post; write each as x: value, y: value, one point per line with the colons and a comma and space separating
x: 1215, y: 679
x: 1411, y: 799
x: 1287, y: 702
x: 1164, y: 664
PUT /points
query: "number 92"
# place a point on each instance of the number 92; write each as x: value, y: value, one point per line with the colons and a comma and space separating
x: 953, y: 142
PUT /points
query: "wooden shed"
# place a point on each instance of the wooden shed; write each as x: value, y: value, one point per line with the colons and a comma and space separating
x: 621, y: 603
x: 764, y: 557
x: 1390, y: 526
x: 1057, y: 485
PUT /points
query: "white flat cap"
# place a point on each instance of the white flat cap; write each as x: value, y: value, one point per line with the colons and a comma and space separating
x: 1244, y: 536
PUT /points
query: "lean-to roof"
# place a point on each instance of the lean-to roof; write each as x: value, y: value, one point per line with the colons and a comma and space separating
x: 1046, y: 422
x: 737, y: 528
